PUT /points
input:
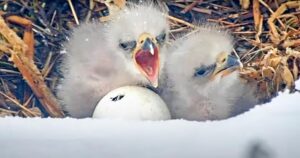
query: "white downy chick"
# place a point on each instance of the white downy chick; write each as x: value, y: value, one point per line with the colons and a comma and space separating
x: 202, y: 80
x: 128, y: 50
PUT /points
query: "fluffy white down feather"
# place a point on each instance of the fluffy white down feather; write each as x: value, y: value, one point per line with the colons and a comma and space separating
x: 200, y: 98
x: 94, y: 63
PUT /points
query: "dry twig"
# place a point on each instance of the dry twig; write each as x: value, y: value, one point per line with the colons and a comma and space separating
x: 29, y: 70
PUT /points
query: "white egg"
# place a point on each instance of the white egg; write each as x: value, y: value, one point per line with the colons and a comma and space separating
x: 132, y: 103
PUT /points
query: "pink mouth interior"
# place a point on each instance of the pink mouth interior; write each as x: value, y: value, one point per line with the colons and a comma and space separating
x: 149, y: 63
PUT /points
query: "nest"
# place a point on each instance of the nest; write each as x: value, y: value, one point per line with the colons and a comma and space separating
x: 266, y: 32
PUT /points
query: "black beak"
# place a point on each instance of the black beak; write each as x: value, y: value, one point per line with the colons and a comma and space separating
x: 148, y: 46
x: 232, y: 61
x: 230, y: 65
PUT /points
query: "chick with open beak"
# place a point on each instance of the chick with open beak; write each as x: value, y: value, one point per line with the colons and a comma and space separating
x: 125, y: 51
x: 146, y: 57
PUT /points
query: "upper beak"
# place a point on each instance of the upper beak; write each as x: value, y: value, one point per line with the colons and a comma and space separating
x: 148, y: 46
x: 146, y: 57
x: 226, y: 66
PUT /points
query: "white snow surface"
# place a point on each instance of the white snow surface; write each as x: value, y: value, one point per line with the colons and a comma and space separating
x: 267, y: 131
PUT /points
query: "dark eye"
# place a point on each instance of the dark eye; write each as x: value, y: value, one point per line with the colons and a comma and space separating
x: 161, y: 38
x: 128, y: 45
x: 200, y: 72
x: 203, y: 70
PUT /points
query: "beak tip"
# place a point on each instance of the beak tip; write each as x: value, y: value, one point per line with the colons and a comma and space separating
x: 154, y: 84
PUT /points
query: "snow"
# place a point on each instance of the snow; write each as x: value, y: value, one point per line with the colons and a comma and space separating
x: 267, y: 131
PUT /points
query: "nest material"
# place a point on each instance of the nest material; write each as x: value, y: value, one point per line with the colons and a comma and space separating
x: 266, y: 32
x: 277, y: 71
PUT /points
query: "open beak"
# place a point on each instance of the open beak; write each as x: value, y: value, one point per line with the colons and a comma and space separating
x: 146, y: 57
x: 226, y: 66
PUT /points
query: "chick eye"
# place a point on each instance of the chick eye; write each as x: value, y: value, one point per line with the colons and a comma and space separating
x: 161, y: 38
x: 203, y: 70
x: 200, y: 72
x: 128, y: 45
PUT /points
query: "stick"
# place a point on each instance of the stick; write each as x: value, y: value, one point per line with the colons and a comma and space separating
x: 29, y: 70
x: 73, y: 12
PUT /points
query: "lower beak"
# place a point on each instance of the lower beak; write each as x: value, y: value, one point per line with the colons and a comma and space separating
x: 147, y: 60
x: 227, y: 67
